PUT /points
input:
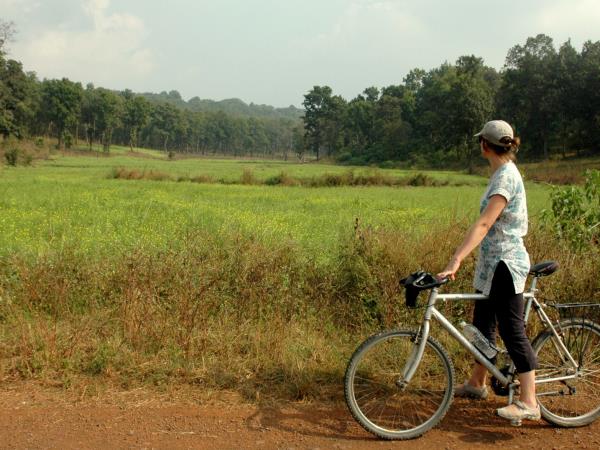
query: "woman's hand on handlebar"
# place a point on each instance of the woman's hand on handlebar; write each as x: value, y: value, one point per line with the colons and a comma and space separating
x: 450, y: 270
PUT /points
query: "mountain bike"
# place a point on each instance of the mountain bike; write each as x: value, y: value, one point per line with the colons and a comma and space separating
x: 400, y: 383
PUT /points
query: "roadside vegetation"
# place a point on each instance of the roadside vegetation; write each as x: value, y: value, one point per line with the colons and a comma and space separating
x: 260, y: 289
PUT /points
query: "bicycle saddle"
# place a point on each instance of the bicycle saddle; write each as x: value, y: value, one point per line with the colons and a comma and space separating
x: 544, y: 268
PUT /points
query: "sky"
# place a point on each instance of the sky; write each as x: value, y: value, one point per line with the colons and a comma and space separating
x: 274, y: 51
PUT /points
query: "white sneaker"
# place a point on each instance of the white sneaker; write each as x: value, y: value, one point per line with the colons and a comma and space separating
x: 521, y: 412
x: 469, y: 391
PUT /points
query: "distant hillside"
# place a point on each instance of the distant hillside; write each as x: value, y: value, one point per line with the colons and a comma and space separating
x: 232, y: 106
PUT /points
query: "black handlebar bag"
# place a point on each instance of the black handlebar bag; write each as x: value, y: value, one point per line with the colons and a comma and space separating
x: 417, y: 282
x: 412, y: 291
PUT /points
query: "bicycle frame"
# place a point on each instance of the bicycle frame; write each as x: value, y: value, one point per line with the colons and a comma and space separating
x: 432, y: 313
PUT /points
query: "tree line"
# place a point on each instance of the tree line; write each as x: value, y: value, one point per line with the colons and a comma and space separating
x: 230, y: 106
x: 74, y: 114
x: 551, y: 97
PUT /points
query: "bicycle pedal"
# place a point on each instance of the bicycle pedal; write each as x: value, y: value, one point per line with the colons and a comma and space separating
x: 516, y: 422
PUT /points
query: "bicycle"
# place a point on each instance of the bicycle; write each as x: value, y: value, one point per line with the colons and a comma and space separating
x: 400, y: 383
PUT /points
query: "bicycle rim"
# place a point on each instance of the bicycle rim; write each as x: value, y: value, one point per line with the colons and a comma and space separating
x: 574, y: 402
x: 379, y: 404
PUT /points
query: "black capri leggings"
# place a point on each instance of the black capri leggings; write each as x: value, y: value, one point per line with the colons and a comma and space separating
x: 506, y: 308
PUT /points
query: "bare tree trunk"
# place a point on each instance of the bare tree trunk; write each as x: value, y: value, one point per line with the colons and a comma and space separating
x: 132, y: 136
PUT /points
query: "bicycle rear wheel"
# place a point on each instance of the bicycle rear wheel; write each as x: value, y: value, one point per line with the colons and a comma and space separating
x: 574, y: 402
x: 375, y: 398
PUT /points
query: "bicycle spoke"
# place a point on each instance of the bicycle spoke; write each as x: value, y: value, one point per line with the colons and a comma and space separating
x: 574, y: 401
x: 384, y: 408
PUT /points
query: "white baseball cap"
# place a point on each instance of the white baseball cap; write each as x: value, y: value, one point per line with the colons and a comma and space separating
x: 495, y: 131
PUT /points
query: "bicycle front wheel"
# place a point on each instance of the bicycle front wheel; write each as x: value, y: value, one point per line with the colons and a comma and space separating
x: 379, y: 402
x: 574, y: 402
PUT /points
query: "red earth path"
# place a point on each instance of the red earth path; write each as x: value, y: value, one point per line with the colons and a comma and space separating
x: 34, y: 417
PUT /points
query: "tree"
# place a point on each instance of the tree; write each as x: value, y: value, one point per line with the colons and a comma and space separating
x: 316, y: 104
x: 392, y: 130
x: 472, y: 100
x: 323, y: 120
x: 88, y: 114
x: 7, y: 32
x: 434, y: 109
x: 17, y: 90
x: 101, y: 112
x: 163, y: 122
x: 109, y: 107
x: 136, y: 113
x: 528, y: 93
x: 17, y: 102
x: 589, y: 95
x: 567, y: 73
x: 61, y: 103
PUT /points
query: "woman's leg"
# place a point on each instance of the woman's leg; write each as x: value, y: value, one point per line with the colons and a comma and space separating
x: 478, y: 376
x: 484, y: 319
x: 527, y: 388
x: 509, y: 312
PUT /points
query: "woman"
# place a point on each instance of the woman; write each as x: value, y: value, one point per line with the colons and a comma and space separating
x: 501, y: 269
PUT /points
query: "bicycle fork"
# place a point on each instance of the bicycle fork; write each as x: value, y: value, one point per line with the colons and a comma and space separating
x: 412, y: 364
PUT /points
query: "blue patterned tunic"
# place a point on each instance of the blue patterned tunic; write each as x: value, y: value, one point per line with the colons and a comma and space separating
x: 504, y: 240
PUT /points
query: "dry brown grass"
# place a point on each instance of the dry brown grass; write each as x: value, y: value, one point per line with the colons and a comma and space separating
x: 23, y: 152
x: 230, y: 313
x: 560, y: 172
x: 349, y: 178
x: 134, y: 174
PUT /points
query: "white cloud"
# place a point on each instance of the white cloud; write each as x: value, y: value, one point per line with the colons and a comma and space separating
x: 110, y: 53
x: 367, y: 45
x: 373, y: 25
x: 573, y: 18
x: 14, y: 9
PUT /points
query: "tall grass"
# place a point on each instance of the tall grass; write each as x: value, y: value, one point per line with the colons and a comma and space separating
x: 349, y: 178
x: 228, y: 312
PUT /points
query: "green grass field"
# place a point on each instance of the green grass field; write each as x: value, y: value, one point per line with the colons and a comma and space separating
x: 263, y: 290
x: 71, y: 201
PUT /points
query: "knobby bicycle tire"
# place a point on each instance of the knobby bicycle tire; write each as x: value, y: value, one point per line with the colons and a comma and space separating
x: 576, y: 402
x: 377, y: 402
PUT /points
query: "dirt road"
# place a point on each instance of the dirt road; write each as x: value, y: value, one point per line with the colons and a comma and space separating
x: 31, y: 418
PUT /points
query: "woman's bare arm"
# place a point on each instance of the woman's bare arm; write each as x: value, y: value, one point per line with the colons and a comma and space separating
x: 475, y: 234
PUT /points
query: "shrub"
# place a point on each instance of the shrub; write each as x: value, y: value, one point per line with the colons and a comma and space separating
x: 388, y: 164
x: 344, y: 157
x: 27, y: 159
x: 202, y: 179
x: 420, y: 179
x: 68, y: 139
x: 133, y: 174
x: 247, y: 176
x: 12, y: 156
x: 575, y: 213
x: 282, y: 179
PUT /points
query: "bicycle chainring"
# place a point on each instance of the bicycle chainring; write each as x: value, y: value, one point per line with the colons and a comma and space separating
x: 499, y: 388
